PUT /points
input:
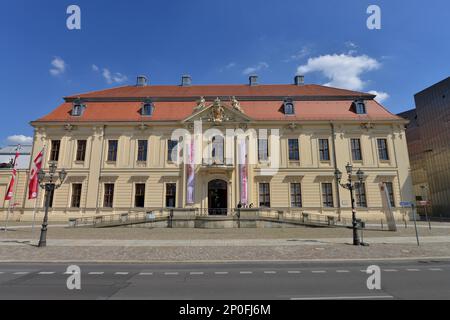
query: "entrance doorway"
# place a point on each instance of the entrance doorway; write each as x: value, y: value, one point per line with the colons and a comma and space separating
x: 217, y: 198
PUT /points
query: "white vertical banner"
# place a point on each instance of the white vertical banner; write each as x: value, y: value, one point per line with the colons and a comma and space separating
x: 243, y: 171
x: 190, y: 173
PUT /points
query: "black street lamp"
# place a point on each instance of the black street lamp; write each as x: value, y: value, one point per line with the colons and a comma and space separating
x: 49, y: 184
x: 350, y: 185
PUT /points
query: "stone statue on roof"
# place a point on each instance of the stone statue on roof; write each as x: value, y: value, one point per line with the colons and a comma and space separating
x: 236, y: 104
x: 201, y: 104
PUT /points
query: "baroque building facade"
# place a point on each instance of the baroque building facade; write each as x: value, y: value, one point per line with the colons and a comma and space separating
x: 121, y: 152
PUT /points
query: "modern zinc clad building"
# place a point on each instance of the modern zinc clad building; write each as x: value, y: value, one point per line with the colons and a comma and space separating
x: 214, y: 148
x: 429, y: 146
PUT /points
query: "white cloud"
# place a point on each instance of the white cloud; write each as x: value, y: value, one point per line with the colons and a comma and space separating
x: 20, y: 139
x: 343, y: 70
x: 109, y: 76
x: 305, y: 51
x: 351, y: 45
x: 381, y: 96
x: 260, y: 66
x: 58, y: 66
x: 228, y: 66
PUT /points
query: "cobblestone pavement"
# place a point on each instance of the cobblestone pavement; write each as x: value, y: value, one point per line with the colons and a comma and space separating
x: 159, y: 245
x: 237, y: 253
x: 199, y: 234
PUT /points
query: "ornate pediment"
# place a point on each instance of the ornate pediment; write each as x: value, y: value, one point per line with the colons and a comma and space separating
x: 218, y: 112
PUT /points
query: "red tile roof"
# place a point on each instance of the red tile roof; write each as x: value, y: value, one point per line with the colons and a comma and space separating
x: 317, y: 103
x: 220, y: 91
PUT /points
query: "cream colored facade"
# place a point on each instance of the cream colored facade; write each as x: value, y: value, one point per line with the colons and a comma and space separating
x: 157, y: 171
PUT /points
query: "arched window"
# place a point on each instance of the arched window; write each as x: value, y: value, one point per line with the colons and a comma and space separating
x: 360, y: 107
x: 217, y: 149
x: 77, y: 109
x: 147, y: 109
x: 289, y: 108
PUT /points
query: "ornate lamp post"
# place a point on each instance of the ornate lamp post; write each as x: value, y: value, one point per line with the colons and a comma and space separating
x: 49, y: 183
x: 350, y: 185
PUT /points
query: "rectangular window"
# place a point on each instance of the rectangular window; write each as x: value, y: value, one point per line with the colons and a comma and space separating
x: 356, y: 150
x: 76, y: 195
x: 172, y: 149
x: 112, y: 150
x: 264, y: 195
x: 360, y: 192
x: 81, y: 150
x: 383, y: 149
x: 51, y: 194
x: 139, y: 197
x: 263, y: 149
x: 108, y: 200
x: 324, y: 150
x: 390, y: 190
x: 142, y: 150
x: 54, y: 153
x: 327, y: 195
x: 296, y: 195
x: 171, y: 195
x: 294, y: 153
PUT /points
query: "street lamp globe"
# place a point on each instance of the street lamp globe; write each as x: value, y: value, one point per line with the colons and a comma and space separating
x: 41, y: 175
x: 360, y: 175
x: 338, y: 175
x: 349, y: 168
x: 62, y: 175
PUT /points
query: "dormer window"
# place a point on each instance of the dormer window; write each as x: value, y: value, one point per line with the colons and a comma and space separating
x: 360, y: 107
x: 289, y: 108
x: 77, y: 109
x: 147, y: 109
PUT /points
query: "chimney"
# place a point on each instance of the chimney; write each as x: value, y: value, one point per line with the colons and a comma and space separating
x: 186, y: 81
x: 299, y: 80
x: 253, y: 80
x: 141, y: 81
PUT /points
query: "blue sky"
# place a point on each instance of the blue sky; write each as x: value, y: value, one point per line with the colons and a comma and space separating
x: 215, y: 42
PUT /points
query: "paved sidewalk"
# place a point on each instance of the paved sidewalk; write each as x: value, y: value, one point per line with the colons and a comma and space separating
x: 222, y: 242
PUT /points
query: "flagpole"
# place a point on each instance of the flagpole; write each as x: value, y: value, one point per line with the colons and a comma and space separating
x: 37, y: 192
x: 13, y: 197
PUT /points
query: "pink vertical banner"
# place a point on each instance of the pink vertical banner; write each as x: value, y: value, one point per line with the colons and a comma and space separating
x: 243, y: 172
x: 190, y: 195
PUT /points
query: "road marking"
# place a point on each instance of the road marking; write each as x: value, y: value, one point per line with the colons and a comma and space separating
x: 270, y: 272
x: 220, y: 273
x: 390, y: 270
x: 294, y: 272
x: 46, y: 273
x: 20, y: 273
x: 346, y: 298
x: 413, y: 270
x: 436, y: 269
x: 96, y: 273
x: 342, y: 271
x: 197, y: 273
x: 171, y: 273
x: 318, y: 271
x: 121, y: 273
x: 246, y: 272
x: 1, y: 272
x: 146, y: 273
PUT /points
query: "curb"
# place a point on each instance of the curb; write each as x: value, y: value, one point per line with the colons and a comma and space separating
x: 395, y: 259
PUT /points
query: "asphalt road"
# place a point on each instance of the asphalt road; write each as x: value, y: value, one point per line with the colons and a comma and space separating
x: 237, y: 281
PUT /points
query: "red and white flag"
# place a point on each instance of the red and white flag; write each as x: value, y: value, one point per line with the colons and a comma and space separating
x: 34, y: 183
x: 10, y: 192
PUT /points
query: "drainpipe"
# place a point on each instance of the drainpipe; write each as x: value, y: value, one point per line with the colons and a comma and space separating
x: 338, y: 187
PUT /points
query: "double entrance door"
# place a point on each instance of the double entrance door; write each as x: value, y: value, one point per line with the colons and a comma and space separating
x: 217, y: 198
